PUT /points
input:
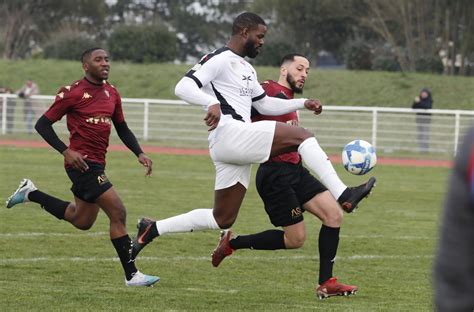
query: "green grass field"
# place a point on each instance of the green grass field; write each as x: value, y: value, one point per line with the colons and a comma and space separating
x: 386, y: 247
x: 332, y: 87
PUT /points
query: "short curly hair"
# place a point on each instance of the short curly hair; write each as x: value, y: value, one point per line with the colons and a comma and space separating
x: 246, y: 20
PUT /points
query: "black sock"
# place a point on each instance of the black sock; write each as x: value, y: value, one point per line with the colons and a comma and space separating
x: 344, y: 196
x: 51, y: 204
x: 328, y: 242
x: 267, y: 240
x: 123, y: 246
x: 153, y: 232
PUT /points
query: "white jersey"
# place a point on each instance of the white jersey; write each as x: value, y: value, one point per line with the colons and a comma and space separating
x: 231, y: 80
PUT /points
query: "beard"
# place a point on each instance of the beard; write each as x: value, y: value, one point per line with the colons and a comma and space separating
x: 291, y: 81
x: 250, y: 49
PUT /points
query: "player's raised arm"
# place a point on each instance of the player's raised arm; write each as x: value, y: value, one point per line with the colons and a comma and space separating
x: 273, y: 106
x: 190, y: 87
x: 187, y: 90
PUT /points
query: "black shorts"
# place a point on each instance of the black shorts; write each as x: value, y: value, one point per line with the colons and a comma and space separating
x: 89, y: 185
x: 284, y: 189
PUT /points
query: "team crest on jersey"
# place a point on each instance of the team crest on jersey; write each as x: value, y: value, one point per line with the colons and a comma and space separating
x: 86, y: 96
x: 247, y: 79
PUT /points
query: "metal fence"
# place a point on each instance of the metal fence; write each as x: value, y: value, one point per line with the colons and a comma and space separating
x: 174, y: 123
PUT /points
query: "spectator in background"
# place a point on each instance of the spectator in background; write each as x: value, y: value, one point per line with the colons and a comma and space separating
x: 423, y: 120
x: 454, y: 262
x: 26, y: 92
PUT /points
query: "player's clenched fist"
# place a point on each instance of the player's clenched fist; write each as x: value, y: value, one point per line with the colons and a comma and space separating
x: 314, y: 105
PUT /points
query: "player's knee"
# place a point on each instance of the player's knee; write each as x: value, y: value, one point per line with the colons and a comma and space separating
x: 225, y: 222
x: 306, y: 134
x: 84, y: 226
x: 334, y: 219
x: 119, y: 216
x: 295, y: 240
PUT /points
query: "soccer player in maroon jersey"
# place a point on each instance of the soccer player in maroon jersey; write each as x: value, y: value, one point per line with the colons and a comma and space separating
x: 288, y: 189
x: 91, y: 105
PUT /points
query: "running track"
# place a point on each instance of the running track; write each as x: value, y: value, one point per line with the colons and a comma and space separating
x: 187, y: 151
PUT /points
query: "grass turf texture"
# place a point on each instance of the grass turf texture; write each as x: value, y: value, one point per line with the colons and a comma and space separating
x: 332, y: 87
x: 386, y: 247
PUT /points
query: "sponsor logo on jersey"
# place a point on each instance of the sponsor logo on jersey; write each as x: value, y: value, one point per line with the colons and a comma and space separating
x: 99, y: 119
x: 246, y: 91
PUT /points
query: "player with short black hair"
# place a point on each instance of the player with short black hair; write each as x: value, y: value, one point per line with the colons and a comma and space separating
x: 227, y: 85
x: 246, y: 20
x: 288, y: 189
x: 91, y: 106
x: 86, y: 54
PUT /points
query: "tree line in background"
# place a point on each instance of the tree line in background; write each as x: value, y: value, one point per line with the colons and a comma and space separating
x: 403, y: 35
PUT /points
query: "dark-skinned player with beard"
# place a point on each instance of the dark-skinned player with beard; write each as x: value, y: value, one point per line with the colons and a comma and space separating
x: 225, y: 83
x: 91, y: 105
x: 288, y: 189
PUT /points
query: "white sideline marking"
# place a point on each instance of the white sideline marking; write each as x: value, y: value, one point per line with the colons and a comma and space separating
x: 35, y: 234
x: 227, y: 291
x: 190, y: 258
x: 375, y: 236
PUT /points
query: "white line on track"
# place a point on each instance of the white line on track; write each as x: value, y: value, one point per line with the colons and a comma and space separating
x: 6, y: 261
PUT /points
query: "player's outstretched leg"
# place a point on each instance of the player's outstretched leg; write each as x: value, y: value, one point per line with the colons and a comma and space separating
x: 223, y: 248
x: 317, y: 160
x: 146, y: 233
x: 21, y: 194
x: 350, y: 200
x: 194, y: 220
x: 332, y: 287
x: 140, y: 279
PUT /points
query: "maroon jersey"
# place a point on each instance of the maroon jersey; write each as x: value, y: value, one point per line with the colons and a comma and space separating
x: 274, y: 89
x: 90, y: 110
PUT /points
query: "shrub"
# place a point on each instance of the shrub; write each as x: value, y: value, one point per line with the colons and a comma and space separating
x: 385, y: 63
x: 429, y: 64
x: 272, y: 53
x: 358, y: 55
x: 142, y: 44
x: 67, y: 47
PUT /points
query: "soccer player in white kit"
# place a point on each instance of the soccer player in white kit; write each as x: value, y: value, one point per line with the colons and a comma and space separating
x: 227, y: 85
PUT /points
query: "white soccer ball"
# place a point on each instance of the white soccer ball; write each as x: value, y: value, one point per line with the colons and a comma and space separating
x: 358, y: 157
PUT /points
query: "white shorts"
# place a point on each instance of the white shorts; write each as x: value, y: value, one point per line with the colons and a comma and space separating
x: 235, y: 145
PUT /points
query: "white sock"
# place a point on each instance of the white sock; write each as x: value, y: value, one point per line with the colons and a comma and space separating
x: 195, y: 220
x: 317, y: 160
